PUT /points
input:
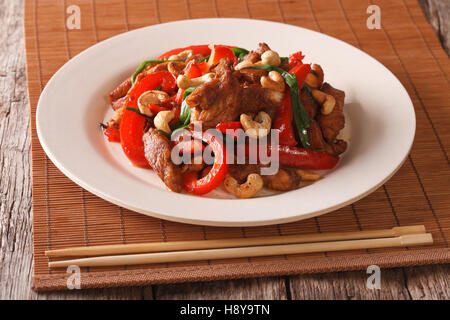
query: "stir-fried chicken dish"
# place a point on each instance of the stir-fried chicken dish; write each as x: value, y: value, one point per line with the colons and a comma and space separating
x: 207, y: 115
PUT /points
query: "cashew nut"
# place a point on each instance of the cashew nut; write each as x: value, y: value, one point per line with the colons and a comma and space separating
x: 326, y: 101
x: 257, y: 128
x: 312, y: 81
x: 307, y: 175
x: 162, y: 120
x: 276, y: 97
x: 176, y: 67
x: 328, y: 105
x: 315, y: 78
x: 274, y: 81
x: 268, y: 57
x: 183, y: 55
x: 318, y: 71
x: 244, y: 64
x: 151, y: 97
x: 271, y: 57
x: 248, y: 189
x: 184, y: 82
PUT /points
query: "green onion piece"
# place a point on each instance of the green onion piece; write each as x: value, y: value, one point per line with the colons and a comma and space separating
x: 301, y: 118
x: 163, y: 133
x: 240, y: 53
x: 204, y: 59
x: 143, y: 65
x: 309, y: 93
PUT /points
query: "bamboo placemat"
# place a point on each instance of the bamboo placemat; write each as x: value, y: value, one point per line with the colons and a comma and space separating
x: 66, y: 215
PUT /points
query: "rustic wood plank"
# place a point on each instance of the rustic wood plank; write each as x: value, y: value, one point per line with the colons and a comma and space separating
x: 430, y: 282
x: 16, y: 250
x: 15, y: 180
x: 349, y: 286
x: 427, y: 282
x: 262, y: 289
x: 438, y: 14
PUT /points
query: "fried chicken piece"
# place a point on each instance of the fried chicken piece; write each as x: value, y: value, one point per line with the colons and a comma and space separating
x: 310, y: 107
x: 250, y: 76
x: 284, y: 180
x: 240, y: 172
x: 255, y: 55
x: 224, y: 98
x: 334, y: 122
x: 119, y: 92
x: 158, y: 154
x: 316, y: 138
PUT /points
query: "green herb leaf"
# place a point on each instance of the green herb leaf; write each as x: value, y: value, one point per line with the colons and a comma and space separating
x: 158, y: 88
x: 136, y: 110
x: 188, y: 91
x: 179, y: 129
x: 185, y: 114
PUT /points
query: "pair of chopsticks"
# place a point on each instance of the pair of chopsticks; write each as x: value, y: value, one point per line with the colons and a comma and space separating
x: 181, y: 251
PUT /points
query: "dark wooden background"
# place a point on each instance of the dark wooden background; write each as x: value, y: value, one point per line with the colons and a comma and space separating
x: 16, y: 253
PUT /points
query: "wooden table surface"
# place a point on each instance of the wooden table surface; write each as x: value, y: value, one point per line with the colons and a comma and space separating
x: 16, y: 252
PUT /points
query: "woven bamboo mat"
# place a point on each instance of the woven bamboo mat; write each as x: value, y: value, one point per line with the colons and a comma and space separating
x: 66, y: 215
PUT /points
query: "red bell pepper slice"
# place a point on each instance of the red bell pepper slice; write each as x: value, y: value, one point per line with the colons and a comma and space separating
x: 301, y: 71
x: 219, y: 52
x: 156, y: 108
x: 132, y: 124
x: 217, y: 172
x: 192, y: 70
x: 223, y: 127
x: 305, y: 158
x: 113, y: 134
x: 131, y: 132
x: 179, y: 97
x: 296, y: 58
x: 176, y: 111
x: 284, y: 118
x: 204, y: 50
x: 204, y: 67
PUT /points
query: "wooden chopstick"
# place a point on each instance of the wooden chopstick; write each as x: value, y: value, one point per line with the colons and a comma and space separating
x: 212, y: 254
x: 231, y: 243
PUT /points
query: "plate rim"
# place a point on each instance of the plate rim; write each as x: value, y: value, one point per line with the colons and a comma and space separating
x: 188, y: 220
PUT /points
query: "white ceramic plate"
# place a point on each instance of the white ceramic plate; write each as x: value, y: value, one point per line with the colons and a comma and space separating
x: 378, y: 109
